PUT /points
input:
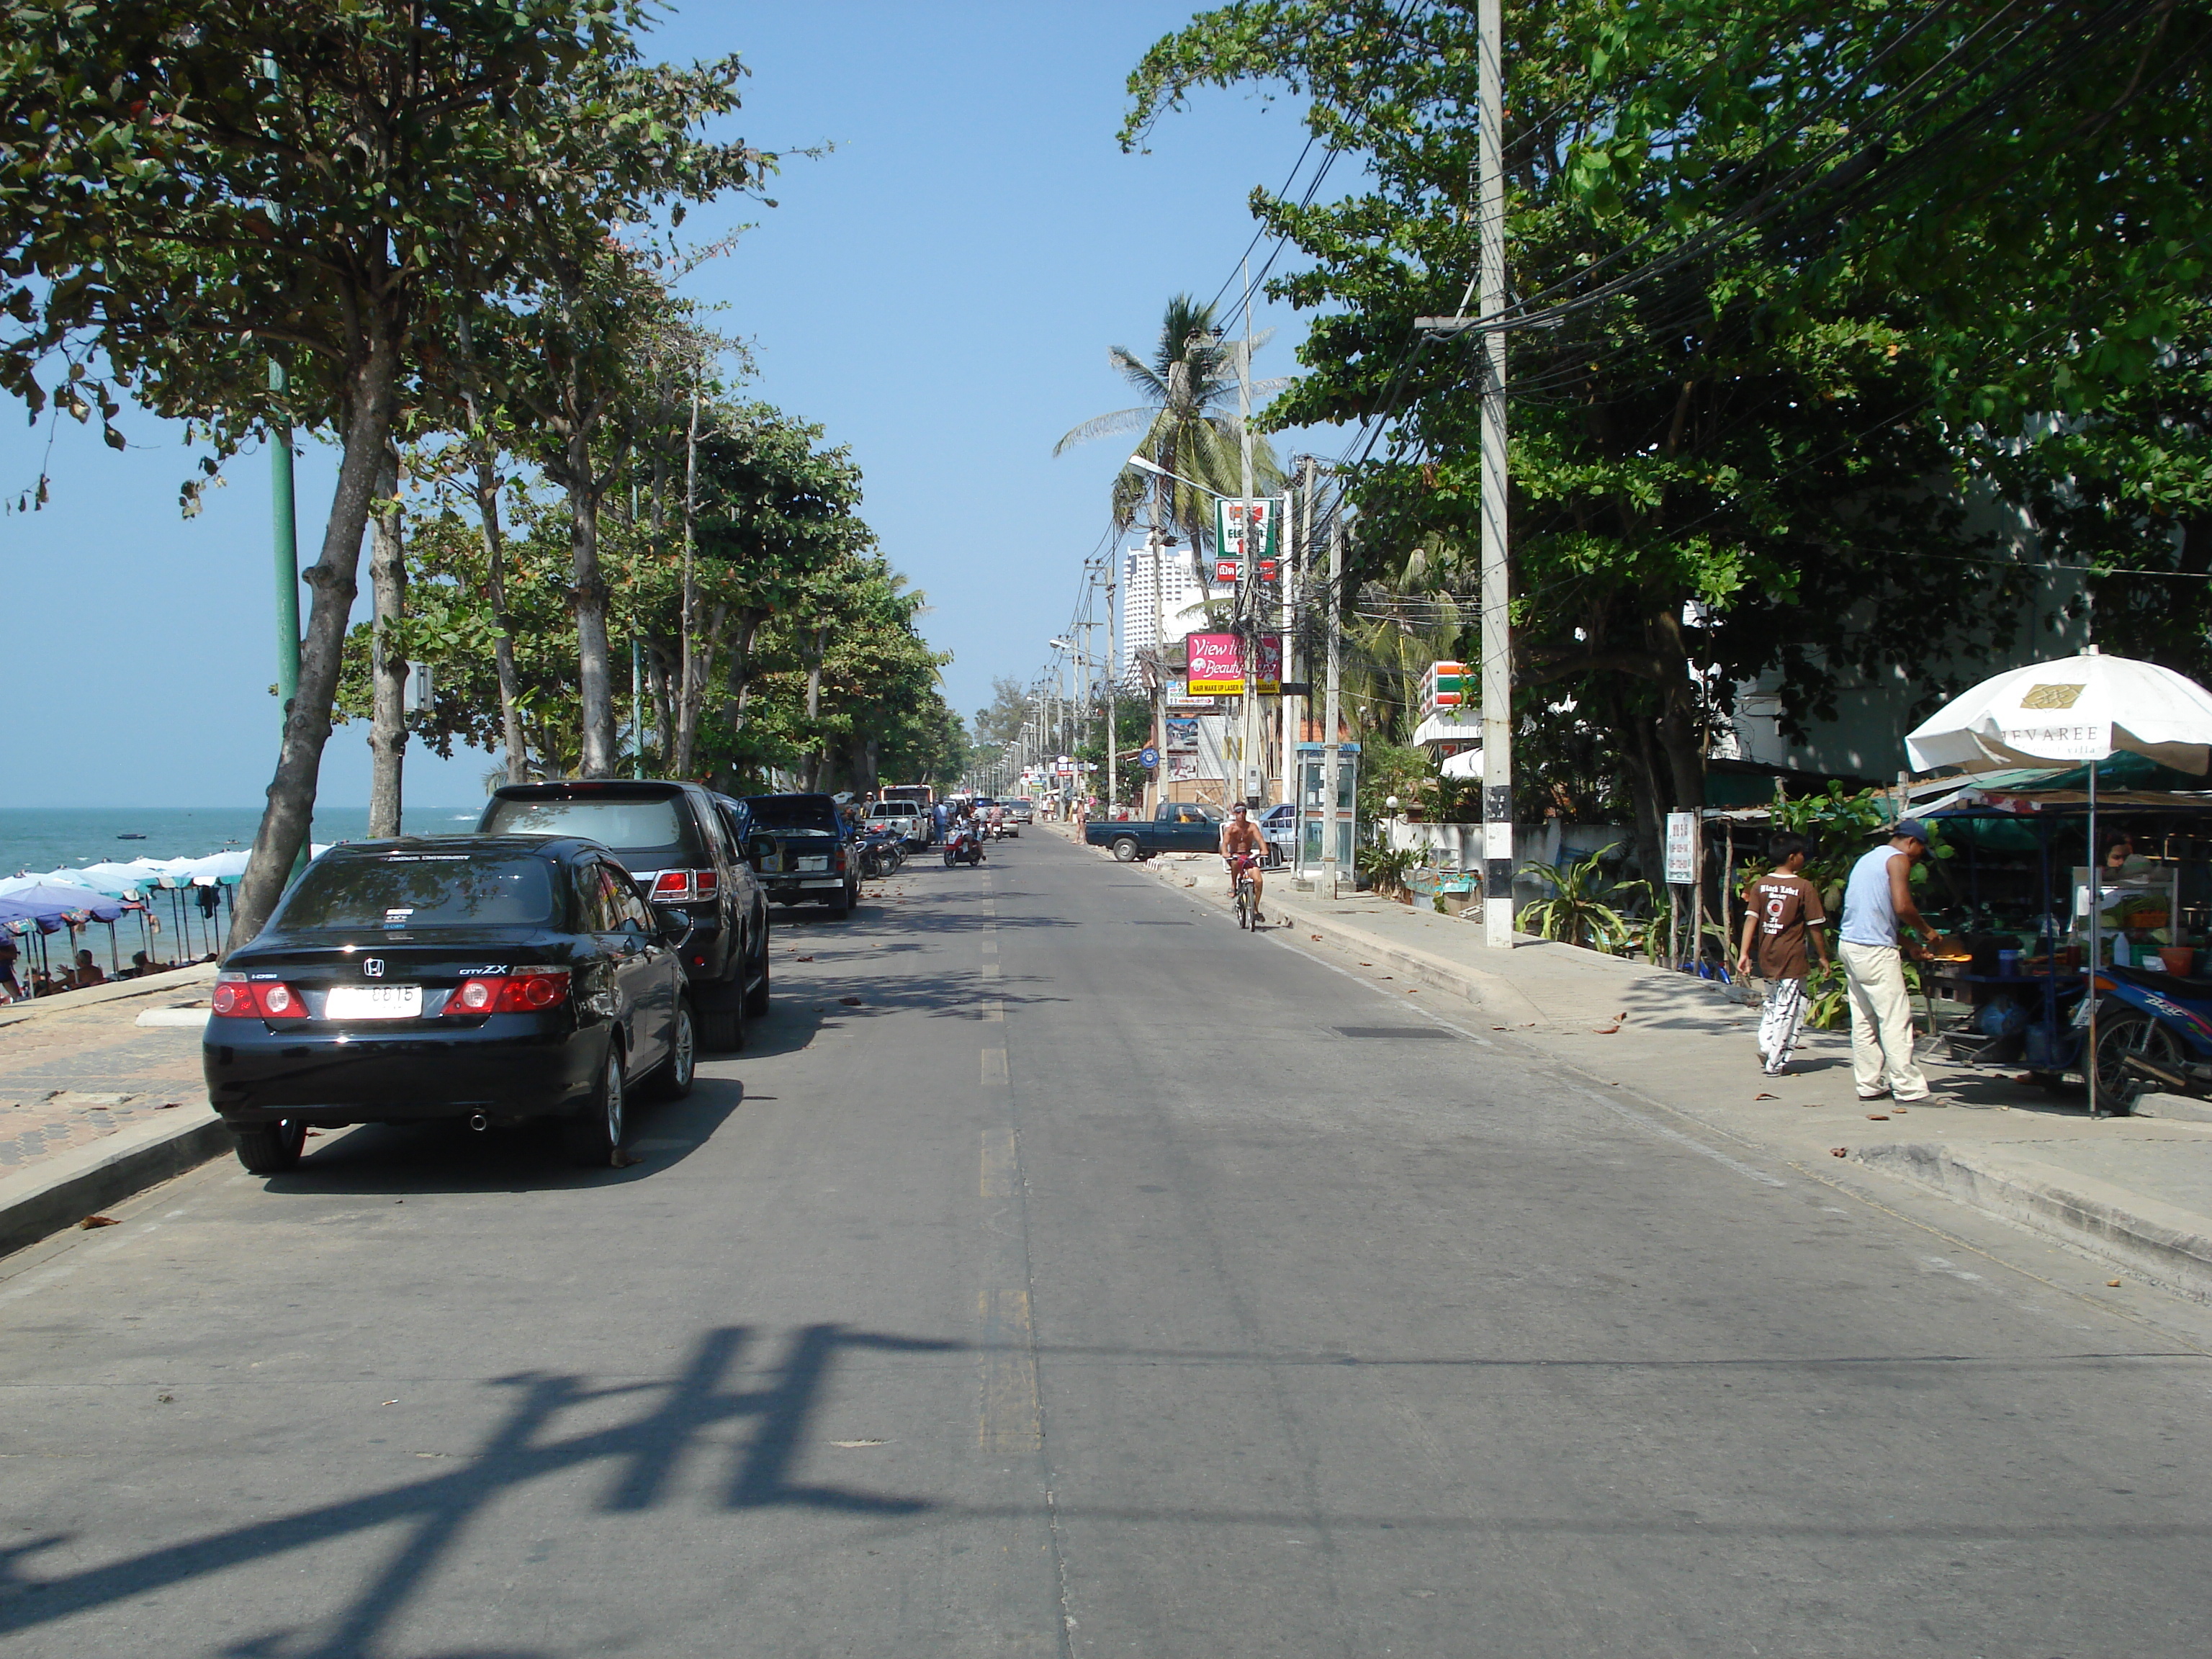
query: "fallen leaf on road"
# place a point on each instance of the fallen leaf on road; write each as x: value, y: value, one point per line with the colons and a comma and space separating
x: 1763, y: 1095
x: 92, y: 1221
x: 168, y: 1105
x: 1366, y: 964
x: 1315, y: 937
x: 1607, y: 1031
x: 313, y: 1134
x: 850, y: 1002
x: 850, y: 1444
x: 807, y: 958
x: 1877, y: 1117
x: 622, y: 1160
x: 1896, y: 1112
x: 1497, y: 1027
x: 387, y: 1402
x: 2111, y: 1284
x: 1838, y: 1151
x: 166, y: 1399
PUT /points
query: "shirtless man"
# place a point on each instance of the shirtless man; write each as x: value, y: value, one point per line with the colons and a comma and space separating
x: 1243, y: 847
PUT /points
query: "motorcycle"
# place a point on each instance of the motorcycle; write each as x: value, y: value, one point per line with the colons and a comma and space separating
x: 882, y: 852
x: 995, y: 830
x: 2154, y: 1031
x: 963, y: 846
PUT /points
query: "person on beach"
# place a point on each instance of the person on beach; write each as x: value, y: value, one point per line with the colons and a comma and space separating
x: 88, y: 972
x: 1784, y: 914
x: 11, y: 989
x: 1877, y: 901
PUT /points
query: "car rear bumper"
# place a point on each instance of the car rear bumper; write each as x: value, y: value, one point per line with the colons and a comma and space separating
x: 510, y: 1067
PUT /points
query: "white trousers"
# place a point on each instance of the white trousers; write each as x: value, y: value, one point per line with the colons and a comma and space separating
x: 1881, y: 1023
x: 1779, y: 1019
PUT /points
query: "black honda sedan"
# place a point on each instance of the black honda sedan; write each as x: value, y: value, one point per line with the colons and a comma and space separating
x: 493, y: 979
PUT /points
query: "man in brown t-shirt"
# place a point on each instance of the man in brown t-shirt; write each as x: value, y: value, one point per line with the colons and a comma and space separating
x: 1784, y: 912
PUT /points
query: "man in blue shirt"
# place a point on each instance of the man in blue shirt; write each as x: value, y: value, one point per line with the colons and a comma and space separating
x: 1877, y: 901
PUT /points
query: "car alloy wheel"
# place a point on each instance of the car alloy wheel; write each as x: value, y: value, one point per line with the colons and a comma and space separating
x: 679, y: 1071
x: 596, y: 1136
x: 271, y: 1148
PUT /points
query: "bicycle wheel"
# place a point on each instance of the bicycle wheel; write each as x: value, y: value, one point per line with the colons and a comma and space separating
x: 1244, y: 904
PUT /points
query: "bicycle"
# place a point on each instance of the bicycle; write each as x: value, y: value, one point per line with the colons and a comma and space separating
x: 1248, y: 904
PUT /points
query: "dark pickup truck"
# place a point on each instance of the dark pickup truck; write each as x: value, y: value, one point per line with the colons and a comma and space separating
x: 1179, y: 826
x: 801, y: 849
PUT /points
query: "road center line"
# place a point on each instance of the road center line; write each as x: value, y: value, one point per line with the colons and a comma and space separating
x: 995, y: 1067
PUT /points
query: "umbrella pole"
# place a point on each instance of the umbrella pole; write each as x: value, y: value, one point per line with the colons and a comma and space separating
x: 2096, y: 872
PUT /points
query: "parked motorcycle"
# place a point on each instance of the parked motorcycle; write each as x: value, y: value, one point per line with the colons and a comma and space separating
x: 962, y: 845
x: 882, y: 852
x: 2154, y: 1031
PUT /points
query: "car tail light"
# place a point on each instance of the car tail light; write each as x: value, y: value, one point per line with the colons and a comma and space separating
x: 237, y: 997
x: 682, y: 886
x: 840, y: 860
x: 520, y: 991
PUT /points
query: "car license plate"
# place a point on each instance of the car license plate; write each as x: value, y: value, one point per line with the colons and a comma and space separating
x: 374, y: 1002
x: 814, y: 863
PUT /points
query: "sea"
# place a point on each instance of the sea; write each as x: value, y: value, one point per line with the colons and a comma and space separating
x: 36, y: 839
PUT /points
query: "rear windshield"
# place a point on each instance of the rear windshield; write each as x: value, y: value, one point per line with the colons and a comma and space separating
x: 612, y: 823
x: 421, y: 889
x: 793, y: 813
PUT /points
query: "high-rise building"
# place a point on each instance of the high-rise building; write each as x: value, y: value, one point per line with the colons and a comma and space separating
x: 1142, y: 609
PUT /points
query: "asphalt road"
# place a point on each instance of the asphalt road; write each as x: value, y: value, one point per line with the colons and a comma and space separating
x: 1102, y: 1281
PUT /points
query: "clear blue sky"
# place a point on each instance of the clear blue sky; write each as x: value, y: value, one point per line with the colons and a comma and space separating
x: 938, y: 293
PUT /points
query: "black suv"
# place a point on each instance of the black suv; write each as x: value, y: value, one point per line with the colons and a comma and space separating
x: 681, y: 851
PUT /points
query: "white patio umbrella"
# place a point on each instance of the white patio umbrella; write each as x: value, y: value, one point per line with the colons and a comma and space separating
x: 2078, y: 709
x: 1468, y: 763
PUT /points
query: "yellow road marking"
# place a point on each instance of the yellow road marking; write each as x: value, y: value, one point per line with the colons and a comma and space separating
x: 1012, y: 1419
x: 998, y: 1181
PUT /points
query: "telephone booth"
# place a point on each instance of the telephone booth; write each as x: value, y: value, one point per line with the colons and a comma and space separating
x: 1314, y: 816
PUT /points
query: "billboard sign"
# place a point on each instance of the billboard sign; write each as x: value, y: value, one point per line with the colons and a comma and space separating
x: 1181, y: 735
x: 1217, y: 666
x: 1682, y: 849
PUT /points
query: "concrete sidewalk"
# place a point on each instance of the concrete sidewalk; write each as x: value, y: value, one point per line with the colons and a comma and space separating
x: 2135, y: 1191
x: 100, y: 1097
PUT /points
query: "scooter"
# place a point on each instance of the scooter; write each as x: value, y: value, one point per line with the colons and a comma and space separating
x: 963, y: 846
x: 2154, y: 1031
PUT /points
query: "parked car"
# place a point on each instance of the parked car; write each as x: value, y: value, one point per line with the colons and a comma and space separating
x: 1022, y: 811
x: 799, y: 848
x: 1178, y: 826
x: 689, y: 857
x: 1279, y: 827
x: 910, y: 818
x: 493, y: 979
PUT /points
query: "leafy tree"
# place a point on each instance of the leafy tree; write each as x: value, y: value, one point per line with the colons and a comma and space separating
x: 190, y: 187
x: 1793, y: 284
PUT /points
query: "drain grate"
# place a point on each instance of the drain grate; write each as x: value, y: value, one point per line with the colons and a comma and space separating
x: 1385, y: 1031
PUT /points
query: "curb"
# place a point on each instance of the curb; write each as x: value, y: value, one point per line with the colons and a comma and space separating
x: 62, y: 1190
x: 2157, y: 1240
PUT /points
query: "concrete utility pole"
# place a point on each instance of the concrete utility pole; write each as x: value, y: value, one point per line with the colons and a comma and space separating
x: 1497, y: 634
x: 1332, y: 697
x: 1248, y: 568
x: 1112, y: 691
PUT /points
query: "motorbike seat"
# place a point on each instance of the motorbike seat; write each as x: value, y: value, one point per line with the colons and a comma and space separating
x: 2186, y: 987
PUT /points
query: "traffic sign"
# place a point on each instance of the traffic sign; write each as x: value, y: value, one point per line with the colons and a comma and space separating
x: 1149, y: 758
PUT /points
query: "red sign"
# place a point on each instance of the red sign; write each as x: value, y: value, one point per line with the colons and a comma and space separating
x: 1267, y: 567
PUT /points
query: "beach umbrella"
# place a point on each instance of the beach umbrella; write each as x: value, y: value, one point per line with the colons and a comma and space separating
x: 2086, y: 708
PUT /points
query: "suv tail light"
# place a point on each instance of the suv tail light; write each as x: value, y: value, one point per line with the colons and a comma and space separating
x: 237, y: 997
x: 682, y: 886
x: 519, y: 991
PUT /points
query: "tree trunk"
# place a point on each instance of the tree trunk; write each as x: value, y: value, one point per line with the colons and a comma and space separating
x: 502, y: 650
x: 387, y: 664
x: 594, y: 679
x: 334, y: 581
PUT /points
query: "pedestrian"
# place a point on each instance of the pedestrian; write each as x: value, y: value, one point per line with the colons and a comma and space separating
x: 1877, y: 901
x: 1784, y: 913
x: 10, y: 989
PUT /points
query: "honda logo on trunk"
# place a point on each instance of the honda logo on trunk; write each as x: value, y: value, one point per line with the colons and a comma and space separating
x: 374, y: 967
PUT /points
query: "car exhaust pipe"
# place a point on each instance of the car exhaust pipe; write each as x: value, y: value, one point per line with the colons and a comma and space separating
x: 480, y: 1122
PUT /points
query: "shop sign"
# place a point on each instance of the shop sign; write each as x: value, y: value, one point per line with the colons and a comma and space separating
x: 1217, y: 667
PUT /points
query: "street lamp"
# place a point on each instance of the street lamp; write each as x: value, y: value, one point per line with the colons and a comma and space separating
x: 1143, y: 465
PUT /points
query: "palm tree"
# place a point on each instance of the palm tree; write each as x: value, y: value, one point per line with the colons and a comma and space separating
x: 1188, y: 421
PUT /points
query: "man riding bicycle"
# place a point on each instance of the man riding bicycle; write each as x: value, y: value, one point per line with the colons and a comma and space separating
x: 1244, y: 850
